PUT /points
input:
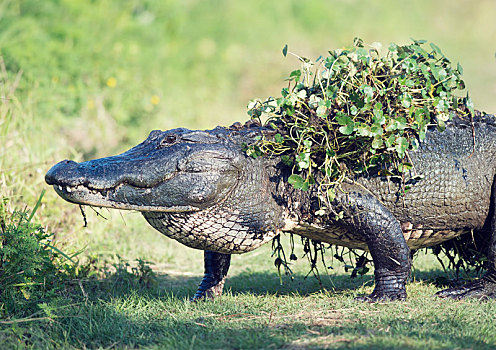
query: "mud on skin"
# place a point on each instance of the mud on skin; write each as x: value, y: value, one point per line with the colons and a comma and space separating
x: 200, y: 188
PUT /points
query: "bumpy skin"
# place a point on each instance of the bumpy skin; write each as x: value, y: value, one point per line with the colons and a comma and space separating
x: 200, y: 188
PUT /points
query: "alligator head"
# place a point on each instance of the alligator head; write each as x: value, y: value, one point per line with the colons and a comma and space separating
x: 197, y: 187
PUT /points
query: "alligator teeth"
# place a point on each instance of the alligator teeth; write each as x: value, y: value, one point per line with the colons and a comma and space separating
x: 68, y: 189
x: 60, y: 188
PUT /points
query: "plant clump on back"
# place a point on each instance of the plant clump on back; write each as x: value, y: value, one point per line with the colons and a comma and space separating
x: 358, y: 111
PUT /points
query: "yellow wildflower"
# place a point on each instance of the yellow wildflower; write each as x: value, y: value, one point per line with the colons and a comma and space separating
x: 111, y: 82
x: 155, y: 100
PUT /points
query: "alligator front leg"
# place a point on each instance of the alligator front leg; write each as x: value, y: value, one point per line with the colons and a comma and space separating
x: 216, y: 267
x: 386, y: 243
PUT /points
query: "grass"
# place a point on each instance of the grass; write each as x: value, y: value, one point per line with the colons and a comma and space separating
x: 86, y: 79
x: 255, y: 312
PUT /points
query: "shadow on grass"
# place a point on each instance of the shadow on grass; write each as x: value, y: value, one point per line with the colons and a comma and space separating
x: 270, y: 283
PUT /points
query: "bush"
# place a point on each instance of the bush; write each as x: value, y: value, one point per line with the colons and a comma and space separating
x: 32, y: 270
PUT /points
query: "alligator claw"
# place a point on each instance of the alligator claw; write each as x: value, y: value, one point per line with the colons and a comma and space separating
x: 483, y: 288
x: 208, y: 290
x: 389, y: 286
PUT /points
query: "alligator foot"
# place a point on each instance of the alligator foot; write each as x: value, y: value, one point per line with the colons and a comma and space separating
x: 209, y: 289
x: 216, y: 267
x: 389, y: 286
x: 483, y: 288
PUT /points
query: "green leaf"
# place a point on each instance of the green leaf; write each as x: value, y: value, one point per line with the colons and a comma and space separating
x: 440, y: 104
x: 376, y: 130
x: 357, y: 41
x: 410, y: 65
x: 332, y: 92
x: 286, y: 159
x: 295, y: 75
x: 307, y: 144
x: 285, y: 50
x: 436, y: 49
x: 303, y: 160
x: 422, y: 134
x: 296, y: 180
x: 305, y: 186
x: 418, y: 42
x: 344, y: 119
x: 331, y: 194
x: 302, y: 94
x: 363, y: 55
x: 377, y: 142
x: 442, y: 74
x: 363, y: 130
x: 321, y: 111
x: 379, y: 119
x: 414, y: 144
x: 469, y: 104
x: 441, y: 125
x: 420, y: 51
x: 390, y: 141
x: 346, y: 130
x: 434, y: 71
x: 425, y: 70
x: 356, y: 98
x: 397, y: 124
x: 403, y: 167
x: 406, y: 100
x: 278, y: 138
x: 368, y: 92
x: 401, y: 146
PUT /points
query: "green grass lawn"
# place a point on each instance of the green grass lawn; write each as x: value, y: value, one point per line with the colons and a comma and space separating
x: 255, y: 312
x: 85, y: 79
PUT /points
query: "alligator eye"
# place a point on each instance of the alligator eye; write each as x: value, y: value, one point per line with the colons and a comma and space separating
x: 169, y: 140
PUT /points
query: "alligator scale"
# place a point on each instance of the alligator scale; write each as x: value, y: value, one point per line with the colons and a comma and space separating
x: 200, y: 188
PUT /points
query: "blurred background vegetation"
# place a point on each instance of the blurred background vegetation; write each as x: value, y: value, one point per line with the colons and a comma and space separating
x: 92, y: 78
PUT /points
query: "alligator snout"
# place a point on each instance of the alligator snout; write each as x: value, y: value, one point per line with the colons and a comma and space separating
x: 63, y: 172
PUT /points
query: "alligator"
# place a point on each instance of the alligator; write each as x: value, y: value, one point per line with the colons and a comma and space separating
x: 201, y: 189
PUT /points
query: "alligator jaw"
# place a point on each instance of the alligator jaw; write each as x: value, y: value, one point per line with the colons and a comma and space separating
x: 83, y: 195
